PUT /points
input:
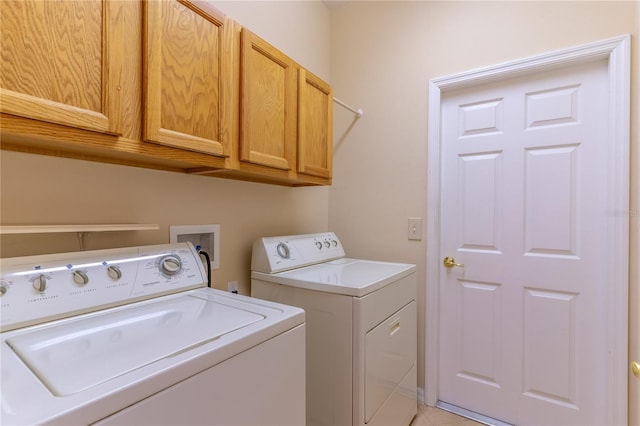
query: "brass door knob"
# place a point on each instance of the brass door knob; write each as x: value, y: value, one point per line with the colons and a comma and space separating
x: 450, y: 262
x: 635, y: 368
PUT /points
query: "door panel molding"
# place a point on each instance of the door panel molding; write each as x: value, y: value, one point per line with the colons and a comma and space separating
x: 617, y: 53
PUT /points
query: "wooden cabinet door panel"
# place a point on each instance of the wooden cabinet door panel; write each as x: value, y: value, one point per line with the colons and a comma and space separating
x: 315, y: 118
x: 188, y: 70
x: 61, y: 62
x: 267, y: 104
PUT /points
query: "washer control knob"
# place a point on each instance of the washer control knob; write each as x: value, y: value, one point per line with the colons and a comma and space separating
x: 170, y: 264
x: 40, y: 283
x: 80, y: 277
x: 327, y: 244
x: 114, y: 272
x: 335, y: 243
x: 4, y: 287
x: 283, y: 250
x: 319, y: 245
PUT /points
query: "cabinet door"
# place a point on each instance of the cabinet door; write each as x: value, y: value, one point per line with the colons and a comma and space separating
x: 188, y: 76
x: 267, y: 104
x: 61, y: 62
x: 315, y: 130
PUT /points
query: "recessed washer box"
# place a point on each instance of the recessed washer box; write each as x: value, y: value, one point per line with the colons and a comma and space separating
x: 205, y: 236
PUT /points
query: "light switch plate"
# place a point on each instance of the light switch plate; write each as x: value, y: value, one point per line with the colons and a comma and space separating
x: 414, y: 230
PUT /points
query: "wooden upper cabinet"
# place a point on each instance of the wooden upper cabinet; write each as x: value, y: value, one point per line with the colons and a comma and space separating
x: 61, y: 62
x: 315, y: 125
x: 268, y: 104
x: 189, y: 73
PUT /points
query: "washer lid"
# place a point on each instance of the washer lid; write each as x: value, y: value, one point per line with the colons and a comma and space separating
x: 346, y: 276
x: 77, y: 355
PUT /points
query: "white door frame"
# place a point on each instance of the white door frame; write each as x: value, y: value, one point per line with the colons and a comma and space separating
x: 617, y: 51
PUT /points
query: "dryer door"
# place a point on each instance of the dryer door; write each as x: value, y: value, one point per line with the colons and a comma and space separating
x: 391, y: 352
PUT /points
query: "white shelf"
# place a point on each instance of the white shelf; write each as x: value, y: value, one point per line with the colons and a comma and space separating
x: 49, y: 229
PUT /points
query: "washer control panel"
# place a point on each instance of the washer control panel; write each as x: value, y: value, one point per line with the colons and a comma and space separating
x: 36, y: 289
x: 277, y: 254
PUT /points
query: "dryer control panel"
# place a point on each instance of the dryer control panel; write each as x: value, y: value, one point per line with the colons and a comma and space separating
x: 277, y: 254
x: 35, y: 289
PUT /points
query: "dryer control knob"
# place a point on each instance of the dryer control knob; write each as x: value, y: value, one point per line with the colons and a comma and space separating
x: 40, y: 283
x: 4, y: 287
x: 170, y: 264
x: 114, y: 272
x: 80, y: 277
x: 319, y: 245
x: 283, y: 250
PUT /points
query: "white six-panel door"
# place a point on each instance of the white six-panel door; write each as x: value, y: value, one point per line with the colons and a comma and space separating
x: 524, y: 209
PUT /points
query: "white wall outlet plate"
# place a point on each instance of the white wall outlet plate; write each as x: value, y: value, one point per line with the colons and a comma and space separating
x: 232, y: 286
x: 207, y: 237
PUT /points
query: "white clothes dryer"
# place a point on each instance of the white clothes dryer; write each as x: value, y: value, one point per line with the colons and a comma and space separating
x: 361, y: 342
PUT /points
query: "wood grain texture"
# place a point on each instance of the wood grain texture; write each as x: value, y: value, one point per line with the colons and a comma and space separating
x: 315, y: 125
x: 59, y: 73
x: 113, y: 48
x: 131, y: 74
x: 190, y: 72
x: 185, y: 67
x: 61, y: 62
x: 268, y: 104
x: 69, y: 98
x: 34, y: 136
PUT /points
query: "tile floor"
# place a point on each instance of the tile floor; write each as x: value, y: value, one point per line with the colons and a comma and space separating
x: 430, y: 416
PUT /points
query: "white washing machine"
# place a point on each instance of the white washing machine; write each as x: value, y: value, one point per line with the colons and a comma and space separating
x: 361, y: 327
x: 134, y: 337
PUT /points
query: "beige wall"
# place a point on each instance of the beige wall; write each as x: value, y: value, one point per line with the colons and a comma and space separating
x: 383, y: 55
x: 378, y: 56
x: 43, y: 190
x: 300, y: 29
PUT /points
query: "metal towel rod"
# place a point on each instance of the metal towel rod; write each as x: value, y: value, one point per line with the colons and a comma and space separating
x: 358, y: 112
